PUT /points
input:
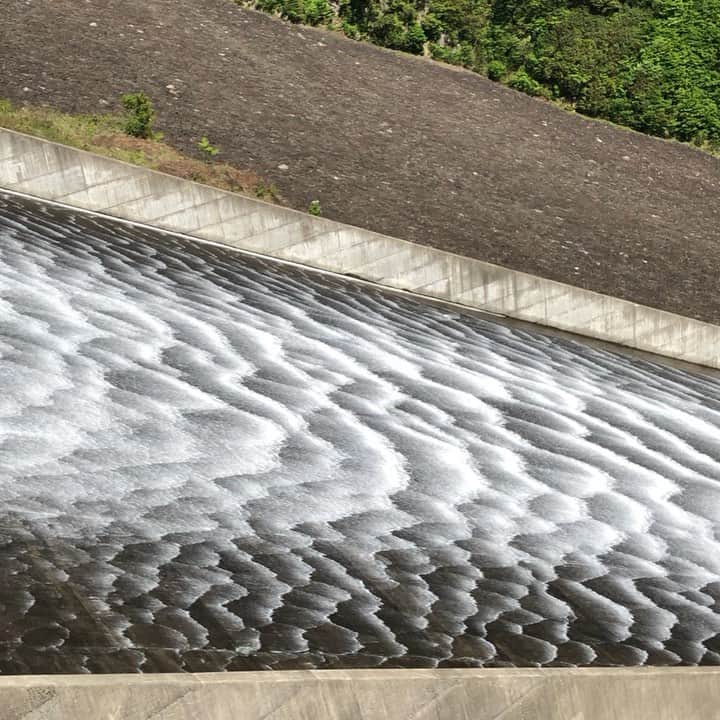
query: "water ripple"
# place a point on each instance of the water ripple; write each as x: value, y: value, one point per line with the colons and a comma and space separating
x: 213, y: 462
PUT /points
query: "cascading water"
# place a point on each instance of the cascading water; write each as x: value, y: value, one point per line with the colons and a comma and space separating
x: 208, y: 462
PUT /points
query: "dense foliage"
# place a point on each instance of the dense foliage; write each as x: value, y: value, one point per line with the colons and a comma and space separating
x: 653, y: 65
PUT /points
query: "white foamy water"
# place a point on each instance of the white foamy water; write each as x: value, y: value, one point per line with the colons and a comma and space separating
x: 208, y: 462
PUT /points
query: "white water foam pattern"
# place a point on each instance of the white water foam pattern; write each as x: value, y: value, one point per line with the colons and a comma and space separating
x: 212, y: 462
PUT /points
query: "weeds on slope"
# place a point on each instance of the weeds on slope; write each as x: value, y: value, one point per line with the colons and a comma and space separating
x: 106, y: 134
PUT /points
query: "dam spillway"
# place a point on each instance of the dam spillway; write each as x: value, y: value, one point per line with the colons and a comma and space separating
x: 210, y: 461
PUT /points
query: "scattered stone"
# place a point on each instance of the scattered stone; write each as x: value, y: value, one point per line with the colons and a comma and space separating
x: 282, y: 166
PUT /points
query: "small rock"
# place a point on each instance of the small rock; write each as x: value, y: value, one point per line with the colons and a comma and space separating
x: 282, y: 166
x: 26, y: 89
x: 599, y: 140
x: 625, y: 157
x: 93, y: 24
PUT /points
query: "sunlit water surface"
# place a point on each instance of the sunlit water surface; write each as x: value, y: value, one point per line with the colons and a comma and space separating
x: 212, y: 462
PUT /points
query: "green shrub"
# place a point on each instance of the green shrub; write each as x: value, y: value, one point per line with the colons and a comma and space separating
x: 265, y: 191
x: 520, y: 80
x: 388, y: 30
x: 314, y: 208
x: 293, y: 10
x: 350, y: 30
x: 140, y: 114
x: 360, y: 13
x: 207, y: 149
x: 404, y: 10
x: 317, y: 12
x: 496, y: 70
x: 461, y: 54
x: 269, y: 6
x: 414, y: 41
x: 309, y: 12
x: 432, y: 27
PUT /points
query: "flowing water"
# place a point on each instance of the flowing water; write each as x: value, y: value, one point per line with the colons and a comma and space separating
x: 208, y: 461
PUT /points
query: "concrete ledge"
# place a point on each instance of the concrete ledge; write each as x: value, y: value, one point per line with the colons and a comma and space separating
x: 592, y: 694
x: 55, y: 172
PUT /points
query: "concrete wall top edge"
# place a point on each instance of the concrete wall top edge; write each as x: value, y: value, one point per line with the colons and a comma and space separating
x: 358, y: 675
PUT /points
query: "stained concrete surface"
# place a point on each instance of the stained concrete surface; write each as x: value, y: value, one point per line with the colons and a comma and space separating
x: 662, y: 694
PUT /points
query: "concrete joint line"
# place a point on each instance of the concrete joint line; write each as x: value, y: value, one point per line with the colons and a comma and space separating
x: 87, y: 187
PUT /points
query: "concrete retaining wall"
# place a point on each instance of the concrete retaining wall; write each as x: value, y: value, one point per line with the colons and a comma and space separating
x: 592, y: 694
x: 60, y: 173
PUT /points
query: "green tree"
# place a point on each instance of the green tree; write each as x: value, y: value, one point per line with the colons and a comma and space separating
x: 414, y: 41
x: 432, y: 27
x: 388, y: 30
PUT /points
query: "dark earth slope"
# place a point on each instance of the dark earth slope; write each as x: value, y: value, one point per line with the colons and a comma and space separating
x: 394, y: 143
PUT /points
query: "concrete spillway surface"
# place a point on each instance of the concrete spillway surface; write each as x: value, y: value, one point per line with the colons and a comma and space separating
x: 209, y: 462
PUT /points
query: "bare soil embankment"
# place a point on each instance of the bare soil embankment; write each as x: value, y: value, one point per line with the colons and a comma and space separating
x: 393, y: 143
